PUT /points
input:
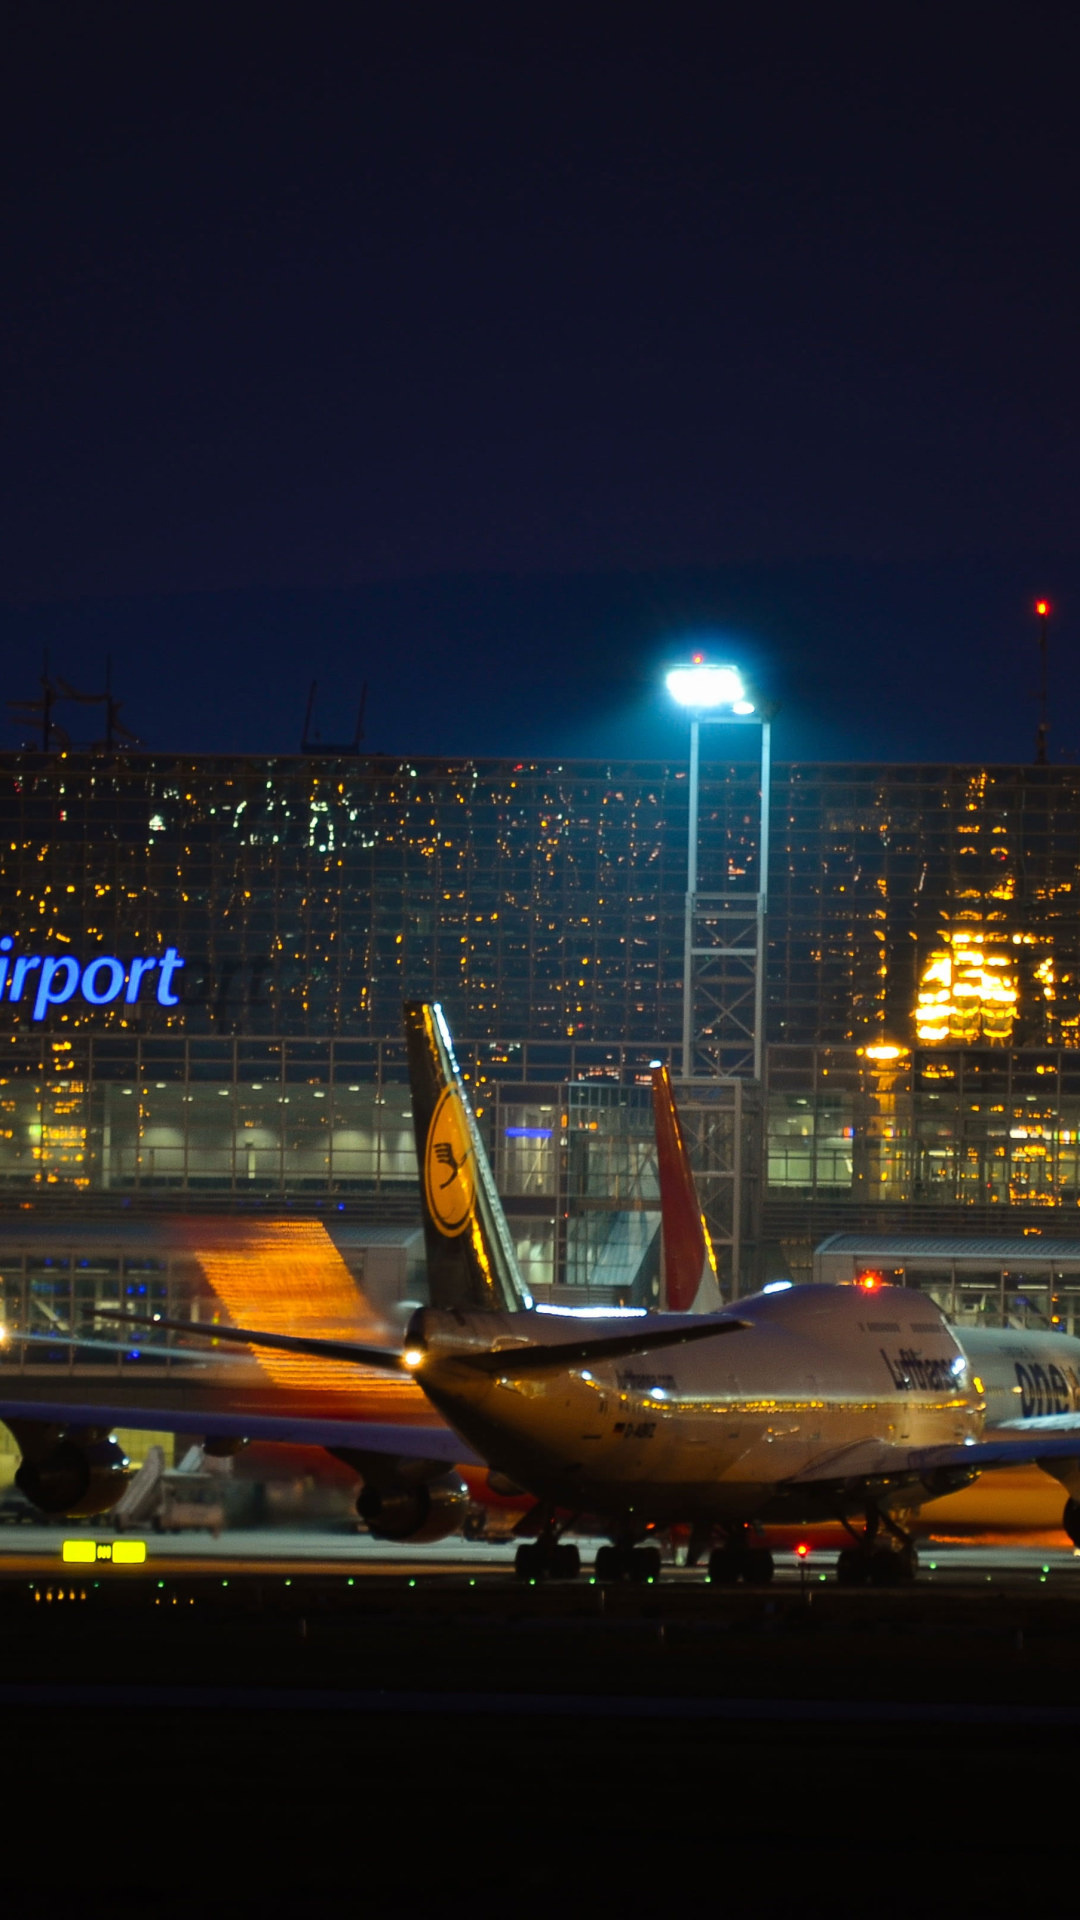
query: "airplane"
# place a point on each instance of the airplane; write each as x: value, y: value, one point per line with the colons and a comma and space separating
x: 813, y: 1402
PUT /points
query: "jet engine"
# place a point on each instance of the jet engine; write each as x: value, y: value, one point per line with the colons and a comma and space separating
x: 421, y: 1513
x: 73, y: 1471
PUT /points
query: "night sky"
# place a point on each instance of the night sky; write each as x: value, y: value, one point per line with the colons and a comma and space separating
x: 487, y: 354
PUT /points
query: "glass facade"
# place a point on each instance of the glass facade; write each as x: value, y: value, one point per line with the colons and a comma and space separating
x: 949, y: 1128
x: 925, y: 904
x: 310, y: 896
x: 923, y: 988
x: 225, y: 1124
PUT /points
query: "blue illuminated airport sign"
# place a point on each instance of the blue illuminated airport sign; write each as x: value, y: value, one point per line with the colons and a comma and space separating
x: 42, y: 981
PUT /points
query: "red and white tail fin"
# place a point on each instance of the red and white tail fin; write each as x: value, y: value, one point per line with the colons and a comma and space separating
x: 690, y: 1282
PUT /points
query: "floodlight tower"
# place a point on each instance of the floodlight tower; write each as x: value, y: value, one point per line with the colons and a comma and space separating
x: 723, y: 1029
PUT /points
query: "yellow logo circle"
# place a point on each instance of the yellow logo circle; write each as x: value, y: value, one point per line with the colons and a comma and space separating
x: 449, y: 1172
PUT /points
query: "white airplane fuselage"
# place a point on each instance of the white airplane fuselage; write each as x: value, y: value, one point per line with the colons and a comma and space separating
x: 719, y: 1430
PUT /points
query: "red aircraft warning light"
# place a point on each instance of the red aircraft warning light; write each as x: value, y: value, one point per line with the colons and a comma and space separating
x: 1042, y: 608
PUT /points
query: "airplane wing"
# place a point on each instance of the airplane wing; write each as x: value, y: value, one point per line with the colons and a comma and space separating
x: 398, y: 1440
x: 526, y: 1356
x: 1051, y: 1439
x: 862, y: 1460
x: 354, y: 1350
x: 1056, y: 1437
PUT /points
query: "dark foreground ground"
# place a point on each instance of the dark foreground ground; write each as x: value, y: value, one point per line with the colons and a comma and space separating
x: 259, y: 1748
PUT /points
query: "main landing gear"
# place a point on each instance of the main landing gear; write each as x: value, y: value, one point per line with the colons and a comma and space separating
x: 738, y: 1560
x: 547, y: 1557
x: 546, y: 1560
x: 640, y: 1564
x: 876, y: 1562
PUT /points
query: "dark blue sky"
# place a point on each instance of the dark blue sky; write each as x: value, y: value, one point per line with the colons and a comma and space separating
x: 480, y: 353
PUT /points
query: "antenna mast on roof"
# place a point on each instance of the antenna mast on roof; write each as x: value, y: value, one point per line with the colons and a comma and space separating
x: 53, y: 735
x: 312, y: 743
x: 1042, y: 609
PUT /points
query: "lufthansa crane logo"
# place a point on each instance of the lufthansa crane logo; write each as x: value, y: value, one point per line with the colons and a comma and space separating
x: 449, y: 1177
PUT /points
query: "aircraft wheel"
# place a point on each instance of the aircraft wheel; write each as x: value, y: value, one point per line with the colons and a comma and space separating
x: 609, y: 1564
x: 644, y: 1564
x: 884, y: 1569
x: 724, y: 1566
x: 757, y: 1566
x: 529, y: 1562
x: 852, y: 1567
x: 888, y: 1569
x: 566, y: 1563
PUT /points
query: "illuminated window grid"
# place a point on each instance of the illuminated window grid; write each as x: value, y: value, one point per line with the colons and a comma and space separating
x: 309, y: 895
x: 542, y: 899
x: 962, y: 1128
x: 237, y: 1117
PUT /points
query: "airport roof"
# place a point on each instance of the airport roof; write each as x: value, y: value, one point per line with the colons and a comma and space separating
x: 361, y: 1233
x: 974, y: 1249
x: 153, y: 1233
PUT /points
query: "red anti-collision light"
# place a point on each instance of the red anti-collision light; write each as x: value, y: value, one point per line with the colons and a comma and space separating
x: 802, y: 1550
x: 870, y: 1282
x: 1042, y: 606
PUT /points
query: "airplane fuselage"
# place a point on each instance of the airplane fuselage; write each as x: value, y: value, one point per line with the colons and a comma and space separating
x: 721, y: 1430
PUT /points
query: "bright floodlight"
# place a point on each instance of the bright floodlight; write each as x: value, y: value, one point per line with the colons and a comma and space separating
x: 703, y: 686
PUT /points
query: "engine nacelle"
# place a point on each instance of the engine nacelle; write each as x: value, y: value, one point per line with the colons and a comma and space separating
x: 76, y: 1475
x: 420, y: 1513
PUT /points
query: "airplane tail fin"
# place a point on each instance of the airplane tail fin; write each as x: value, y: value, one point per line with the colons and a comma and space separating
x: 470, y: 1256
x: 690, y: 1277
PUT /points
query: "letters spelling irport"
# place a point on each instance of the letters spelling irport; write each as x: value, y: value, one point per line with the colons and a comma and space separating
x: 58, y: 977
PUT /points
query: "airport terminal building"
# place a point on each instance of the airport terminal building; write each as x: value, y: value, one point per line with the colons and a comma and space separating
x: 202, y: 963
